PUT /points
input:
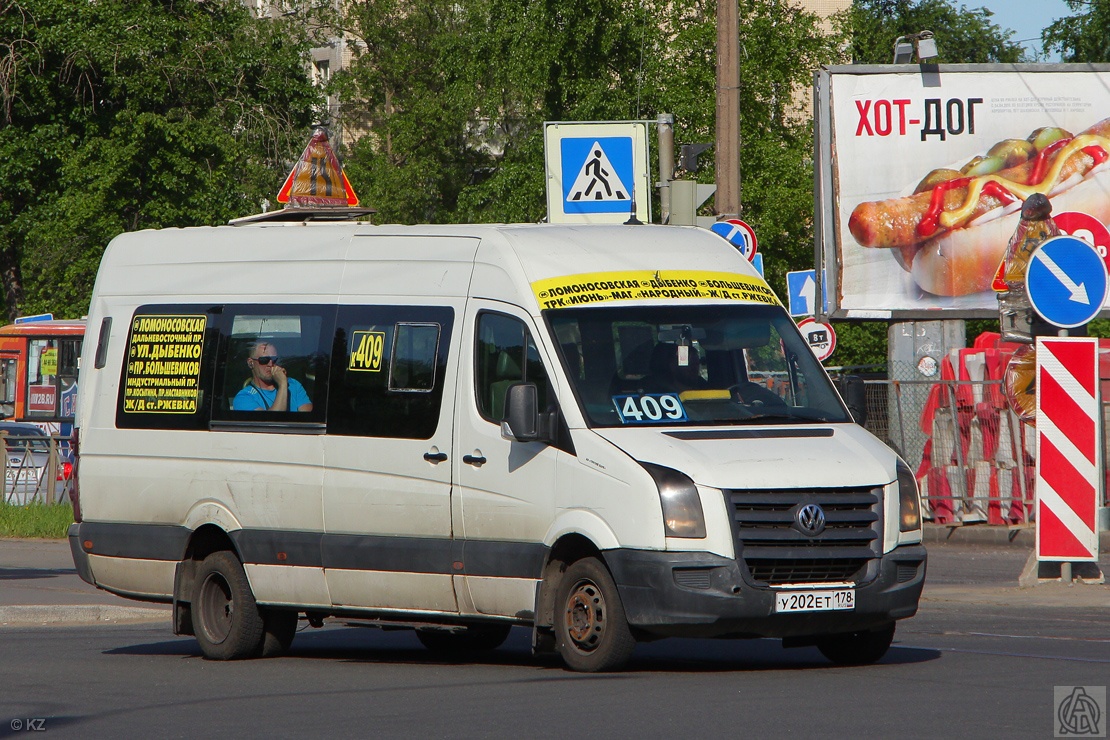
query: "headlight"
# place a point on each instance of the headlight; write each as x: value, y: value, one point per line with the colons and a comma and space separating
x: 682, y: 515
x: 909, y: 500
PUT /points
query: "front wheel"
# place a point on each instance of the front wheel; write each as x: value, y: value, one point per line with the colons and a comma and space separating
x: 226, y: 619
x: 279, y: 627
x: 857, y: 648
x: 591, y: 629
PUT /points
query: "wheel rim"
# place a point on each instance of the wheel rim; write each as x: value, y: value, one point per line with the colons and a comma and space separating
x: 217, y: 608
x: 585, y: 616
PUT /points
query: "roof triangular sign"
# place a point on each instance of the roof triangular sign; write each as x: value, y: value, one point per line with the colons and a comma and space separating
x: 598, y: 179
x: 317, y: 179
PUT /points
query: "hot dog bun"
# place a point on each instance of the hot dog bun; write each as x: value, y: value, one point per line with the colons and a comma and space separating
x: 964, y: 261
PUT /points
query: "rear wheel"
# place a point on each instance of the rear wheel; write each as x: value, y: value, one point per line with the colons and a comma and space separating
x: 226, y: 619
x: 857, y: 648
x: 591, y: 629
x: 472, y: 638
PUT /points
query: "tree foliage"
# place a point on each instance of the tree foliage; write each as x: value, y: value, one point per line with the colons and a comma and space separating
x: 455, y: 94
x: 963, y: 35
x: 1082, y: 37
x: 128, y: 114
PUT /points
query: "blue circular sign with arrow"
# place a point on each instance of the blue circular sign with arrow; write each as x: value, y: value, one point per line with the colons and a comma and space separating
x: 738, y: 234
x: 1066, y: 281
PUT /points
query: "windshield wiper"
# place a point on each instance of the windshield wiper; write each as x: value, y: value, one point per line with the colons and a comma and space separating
x: 792, y: 414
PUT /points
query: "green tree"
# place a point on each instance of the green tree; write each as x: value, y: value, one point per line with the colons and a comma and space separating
x: 1081, y: 37
x: 129, y: 114
x: 455, y: 95
x: 963, y: 35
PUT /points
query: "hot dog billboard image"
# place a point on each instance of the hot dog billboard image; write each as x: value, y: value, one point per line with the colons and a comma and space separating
x: 930, y: 169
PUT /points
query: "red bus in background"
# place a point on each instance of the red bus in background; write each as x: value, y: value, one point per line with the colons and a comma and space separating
x: 38, y: 373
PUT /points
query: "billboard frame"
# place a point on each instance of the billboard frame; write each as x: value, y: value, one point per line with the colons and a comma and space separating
x: 827, y: 257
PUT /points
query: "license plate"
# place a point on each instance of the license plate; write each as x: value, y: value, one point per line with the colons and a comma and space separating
x: 815, y: 601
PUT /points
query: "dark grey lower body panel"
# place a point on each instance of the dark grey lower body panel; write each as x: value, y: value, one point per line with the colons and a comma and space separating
x: 724, y: 604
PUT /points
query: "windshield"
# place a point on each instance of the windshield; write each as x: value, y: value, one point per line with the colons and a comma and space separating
x: 692, y: 365
x: 23, y: 439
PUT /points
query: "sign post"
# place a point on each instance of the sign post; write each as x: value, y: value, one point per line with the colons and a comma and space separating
x: 1066, y: 282
x: 1069, y: 460
x: 597, y: 173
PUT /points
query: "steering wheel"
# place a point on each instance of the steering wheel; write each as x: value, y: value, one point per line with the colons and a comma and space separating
x: 754, y: 394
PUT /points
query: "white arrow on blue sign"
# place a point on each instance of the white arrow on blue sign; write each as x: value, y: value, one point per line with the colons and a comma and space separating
x: 738, y: 234
x: 801, y: 288
x: 1066, y: 281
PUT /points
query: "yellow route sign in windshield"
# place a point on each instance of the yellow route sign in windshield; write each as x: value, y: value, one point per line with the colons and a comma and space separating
x: 639, y: 285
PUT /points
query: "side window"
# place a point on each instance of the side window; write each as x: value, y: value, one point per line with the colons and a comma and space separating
x: 167, y: 369
x: 274, y: 363
x: 388, y: 368
x: 7, y: 386
x: 42, y: 372
x: 505, y: 354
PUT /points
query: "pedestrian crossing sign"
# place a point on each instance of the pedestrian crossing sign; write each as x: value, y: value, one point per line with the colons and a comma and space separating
x: 596, y: 172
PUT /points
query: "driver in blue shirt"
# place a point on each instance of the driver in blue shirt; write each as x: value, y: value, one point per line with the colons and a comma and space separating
x: 270, y: 387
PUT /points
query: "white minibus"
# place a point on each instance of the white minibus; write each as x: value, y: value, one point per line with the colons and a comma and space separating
x: 603, y: 434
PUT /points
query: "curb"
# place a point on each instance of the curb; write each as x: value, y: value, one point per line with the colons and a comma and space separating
x: 26, y: 616
x: 983, y: 534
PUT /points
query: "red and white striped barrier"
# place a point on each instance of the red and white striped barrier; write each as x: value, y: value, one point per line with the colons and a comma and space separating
x: 1069, y: 441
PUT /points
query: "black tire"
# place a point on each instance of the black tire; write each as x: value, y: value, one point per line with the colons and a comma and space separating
x: 591, y: 630
x: 474, y: 638
x: 857, y: 648
x: 226, y: 619
x: 279, y: 627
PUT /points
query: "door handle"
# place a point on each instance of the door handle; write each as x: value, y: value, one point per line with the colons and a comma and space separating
x: 435, y: 457
x: 475, y: 460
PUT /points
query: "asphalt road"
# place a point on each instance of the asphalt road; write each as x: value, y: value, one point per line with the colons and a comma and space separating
x: 980, y: 660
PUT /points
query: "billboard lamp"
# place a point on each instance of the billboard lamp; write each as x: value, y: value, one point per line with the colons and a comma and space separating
x: 922, y: 43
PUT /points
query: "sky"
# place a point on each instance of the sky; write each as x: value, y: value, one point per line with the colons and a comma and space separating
x: 1027, y: 18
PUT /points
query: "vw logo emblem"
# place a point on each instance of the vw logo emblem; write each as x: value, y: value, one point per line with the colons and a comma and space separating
x: 810, y: 519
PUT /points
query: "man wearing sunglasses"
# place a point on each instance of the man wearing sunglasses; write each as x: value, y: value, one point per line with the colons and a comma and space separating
x: 270, y: 387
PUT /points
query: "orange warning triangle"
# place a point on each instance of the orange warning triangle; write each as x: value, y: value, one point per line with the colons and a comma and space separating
x: 317, y: 179
x: 999, y: 282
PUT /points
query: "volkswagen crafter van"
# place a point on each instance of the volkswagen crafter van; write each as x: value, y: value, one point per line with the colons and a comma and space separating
x: 604, y: 434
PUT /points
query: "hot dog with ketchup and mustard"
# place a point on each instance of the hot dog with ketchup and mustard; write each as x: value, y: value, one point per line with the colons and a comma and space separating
x: 951, y: 233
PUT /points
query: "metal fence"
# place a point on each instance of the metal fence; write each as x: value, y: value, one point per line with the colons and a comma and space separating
x: 974, y: 460
x: 37, y: 470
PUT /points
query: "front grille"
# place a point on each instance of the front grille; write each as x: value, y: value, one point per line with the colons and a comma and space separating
x: 781, y: 571
x: 777, y: 550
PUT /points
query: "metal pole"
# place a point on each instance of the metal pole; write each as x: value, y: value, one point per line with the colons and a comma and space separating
x: 728, y: 109
x: 665, y: 127
x: 49, y: 494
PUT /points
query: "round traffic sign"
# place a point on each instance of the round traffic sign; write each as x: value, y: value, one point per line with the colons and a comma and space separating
x: 819, y: 336
x: 1018, y: 386
x: 1089, y: 229
x: 1066, y: 281
x: 738, y: 234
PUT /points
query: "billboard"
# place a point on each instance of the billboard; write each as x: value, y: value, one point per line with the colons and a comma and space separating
x: 921, y: 173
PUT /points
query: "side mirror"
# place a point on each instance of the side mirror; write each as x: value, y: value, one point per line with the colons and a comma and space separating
x: 854, y: 391
x: 523, y: 422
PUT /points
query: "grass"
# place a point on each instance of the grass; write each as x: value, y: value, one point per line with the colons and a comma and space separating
x: 35, y: 520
